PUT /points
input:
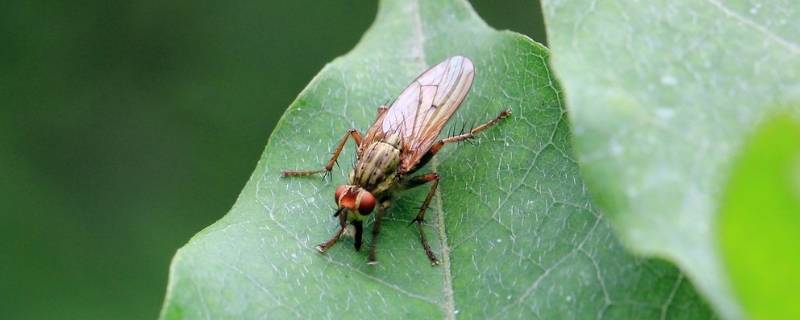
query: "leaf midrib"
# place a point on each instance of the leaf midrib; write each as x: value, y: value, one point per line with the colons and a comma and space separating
x: 448, y: 305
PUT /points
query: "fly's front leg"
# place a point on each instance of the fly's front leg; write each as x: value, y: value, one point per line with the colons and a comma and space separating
x: 329, y: 166
x: 414, y: 182
x: 376, y: 230
x: 359, y: 226
x: 322, y: 247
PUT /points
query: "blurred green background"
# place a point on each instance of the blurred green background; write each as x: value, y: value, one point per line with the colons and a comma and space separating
x: 128, y: 127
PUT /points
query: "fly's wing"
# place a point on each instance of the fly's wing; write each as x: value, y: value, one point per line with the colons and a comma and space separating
x: 422, y: 110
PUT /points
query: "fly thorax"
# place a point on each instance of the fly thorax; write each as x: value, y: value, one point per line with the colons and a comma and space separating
x: 379, y: 163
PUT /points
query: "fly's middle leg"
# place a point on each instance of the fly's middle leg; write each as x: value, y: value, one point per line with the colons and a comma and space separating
x: 417, y: 181
x: 328, y: 166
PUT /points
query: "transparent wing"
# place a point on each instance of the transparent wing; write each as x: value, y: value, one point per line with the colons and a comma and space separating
x: 423, y: 108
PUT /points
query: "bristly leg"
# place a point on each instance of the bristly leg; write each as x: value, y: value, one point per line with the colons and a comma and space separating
x: 426, y: 246
x: 458, y: 138
x: 471, y: 134
x: 414, y: 182
x: 322, y: 247
x: 328, y: 166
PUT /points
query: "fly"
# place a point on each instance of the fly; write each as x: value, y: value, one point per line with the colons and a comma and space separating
x: 403, y: 139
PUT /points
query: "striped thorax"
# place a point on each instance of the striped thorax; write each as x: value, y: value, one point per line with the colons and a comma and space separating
x: 377, y: 168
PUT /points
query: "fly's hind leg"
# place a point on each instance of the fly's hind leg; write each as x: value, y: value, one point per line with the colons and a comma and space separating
x: 414, y: 182
x: 329, y: 166
x: 458, y: 138
x: 471, y: 134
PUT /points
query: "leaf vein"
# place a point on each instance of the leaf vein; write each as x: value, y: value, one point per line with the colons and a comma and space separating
x: 794, y: 48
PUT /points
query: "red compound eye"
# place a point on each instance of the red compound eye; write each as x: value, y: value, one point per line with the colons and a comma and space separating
x: 345, y: 198
x: 367, y: 203
x: 340, y: 190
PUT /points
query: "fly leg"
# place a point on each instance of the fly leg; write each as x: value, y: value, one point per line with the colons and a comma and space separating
x: 414, y: 182
x: 471, y: 134
x: 329, y: 166
x: 379, y: 116
x: 322, y: 247
x: 458, y: 138
x: 376, y: 230
x: 381, y: 110
x: 359, y: 226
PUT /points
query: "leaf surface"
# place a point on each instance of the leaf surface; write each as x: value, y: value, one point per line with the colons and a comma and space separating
x: 661, y: 95
x: 512, y: 221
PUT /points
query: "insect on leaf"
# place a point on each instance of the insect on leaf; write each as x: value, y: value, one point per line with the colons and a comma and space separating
x: 512, y: 223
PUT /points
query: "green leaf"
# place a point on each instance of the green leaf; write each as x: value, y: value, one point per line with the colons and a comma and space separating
x: 661, y: 95
x: 759, y: 224
x: 512, y: 222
